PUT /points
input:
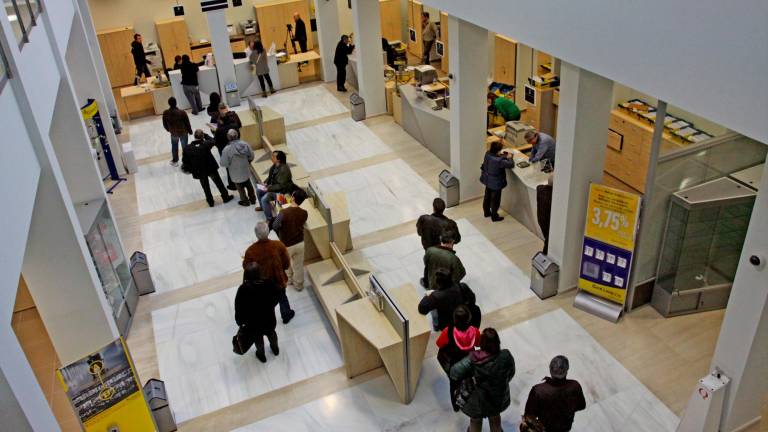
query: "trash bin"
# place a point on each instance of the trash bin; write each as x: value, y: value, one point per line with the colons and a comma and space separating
x: 140, y: 272
x: 358, y: 107
x: 544, y: 276
x: 157, y: 399
x: 449, y: 188
x: 232, y: 95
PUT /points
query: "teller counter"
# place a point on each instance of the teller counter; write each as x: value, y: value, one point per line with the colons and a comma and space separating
x: 432, y: 128
x: 519, y: 197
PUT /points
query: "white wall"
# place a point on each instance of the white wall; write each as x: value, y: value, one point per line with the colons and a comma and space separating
x: 706, y: 57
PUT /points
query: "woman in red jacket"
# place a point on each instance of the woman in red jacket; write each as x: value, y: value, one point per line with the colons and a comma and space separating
x: 455, y: 342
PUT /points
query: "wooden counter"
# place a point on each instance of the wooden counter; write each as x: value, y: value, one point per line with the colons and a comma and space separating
x: 199, y: 50
x: 289, y: 73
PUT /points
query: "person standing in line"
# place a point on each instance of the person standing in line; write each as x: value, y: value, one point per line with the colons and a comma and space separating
x: 213, y: 107
x: 190, y: 85
x: 555, y: 401
x: 443, y: 300
x: 279, y: 180
x: 341, y: 59
x: 494, y: 176
x: 273, y: 260
x: 444, y: 257
x: 428, y: 36
x: 258, y: 59
x: 289, y: 226
x: 470, y: 301
x: 493, y: 369
x: 237, y: 157
x: 198, y: 161
x: 300, y: 35
x: 255, y: 303
x: 543, y: 146
x: 226, y: 120
x: 139, y: 58
x: 429, y: 228
x: 177, y: 123
x: 455, y: 342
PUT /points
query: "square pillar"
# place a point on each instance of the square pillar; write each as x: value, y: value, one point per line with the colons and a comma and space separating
x: 469, y: 86
x: 222, y: 51
x: 370, y: 62
x: 582, y: 132
x: 328, y: 34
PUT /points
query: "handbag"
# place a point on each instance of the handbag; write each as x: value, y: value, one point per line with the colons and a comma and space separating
x: 242, y: 341
x: 463, y: 393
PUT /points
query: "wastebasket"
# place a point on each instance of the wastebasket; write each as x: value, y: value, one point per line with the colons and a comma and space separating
x: 157, y: 399
x: 140, y: 273
x: 232, y: 95
x: 358, y: 107
x: 449, y: 188
x: 544, y: 276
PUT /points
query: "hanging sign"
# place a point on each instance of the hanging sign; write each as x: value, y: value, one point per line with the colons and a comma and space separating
x: 609, y: 242
x: 105, y: 392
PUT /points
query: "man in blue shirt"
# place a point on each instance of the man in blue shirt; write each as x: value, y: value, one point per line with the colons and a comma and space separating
x: 543, y: 146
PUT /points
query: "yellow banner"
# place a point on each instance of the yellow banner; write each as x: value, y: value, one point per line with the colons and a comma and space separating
x: 90, y: 110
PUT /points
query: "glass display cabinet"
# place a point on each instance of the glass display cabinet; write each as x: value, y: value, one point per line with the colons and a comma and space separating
x: 701, y: 247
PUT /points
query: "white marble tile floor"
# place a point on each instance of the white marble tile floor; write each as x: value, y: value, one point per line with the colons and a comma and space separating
x: 303, y: 104
x: 496, y: 281
x: 201, y: 373
x: 334, y: 143
x: 616, y: 400
x: 382, y: 195
x: 195, y: 247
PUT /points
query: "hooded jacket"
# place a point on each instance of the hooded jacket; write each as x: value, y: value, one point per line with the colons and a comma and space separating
x: 492, y: 374
x: 237, y: 157
x: 445, y: 302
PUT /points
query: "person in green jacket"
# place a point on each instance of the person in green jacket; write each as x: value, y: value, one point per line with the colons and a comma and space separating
x: 504, y: 106
x: 443, y: 257
x: 279, y: 180
x: 493, y: 369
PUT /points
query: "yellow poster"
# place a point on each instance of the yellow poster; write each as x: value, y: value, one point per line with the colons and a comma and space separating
x: 609, y: 242
x: 105, y: 391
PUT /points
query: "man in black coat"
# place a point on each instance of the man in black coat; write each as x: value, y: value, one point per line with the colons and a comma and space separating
x: 190, y: 84
x: 300, y: 35
x: 139, y: 58
x: 198, y: 161
x: 255, y: 303
x: 555, y: 401
x: 444, y: 300
x: 340, y: 59
x: 429, y: 228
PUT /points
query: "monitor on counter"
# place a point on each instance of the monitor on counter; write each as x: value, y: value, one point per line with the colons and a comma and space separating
x: 411, y: 34
x: 178, y: 10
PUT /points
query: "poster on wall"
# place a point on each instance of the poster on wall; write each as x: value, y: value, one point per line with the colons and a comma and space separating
x: 609, y: 242
x: 105, y: 392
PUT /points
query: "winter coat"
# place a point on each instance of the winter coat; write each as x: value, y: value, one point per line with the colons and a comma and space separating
x: 492, y: 374
x: 255, y: 303
x: 280, y: 179
x: 470, y: 301
x: 554, y: 402
x: 301, y: 30
x: 494, y: 171
x: 272, y: 258
x: 230, y: 120
x: 237, y: 157
x: 445, y: 302
x: 438, y: 257
x: 137, y: 51
x: 176, y: 122
x: 340, y: 58
x: 455, y: 344
x: 198, y: 160
x: 259, y: 62
x: 429, y: 228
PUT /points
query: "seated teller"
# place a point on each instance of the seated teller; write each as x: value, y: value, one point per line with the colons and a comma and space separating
x: 504, y: 106
x: 543, y: 146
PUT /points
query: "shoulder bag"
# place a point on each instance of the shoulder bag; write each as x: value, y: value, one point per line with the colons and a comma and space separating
x: 242, y: 341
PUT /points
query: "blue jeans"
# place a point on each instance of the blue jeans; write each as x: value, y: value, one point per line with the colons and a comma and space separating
x: 285, y: 307
x: 175, y: 145
x: 265, y: 199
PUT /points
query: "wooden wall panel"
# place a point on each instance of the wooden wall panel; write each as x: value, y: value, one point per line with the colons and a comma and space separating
x: 390, y: 19
x: 444, y: 62
x: 415, y: 9
x: 115, y: 47
x: 273, y: 19
x: 173, y: 38
x: 505, y: 60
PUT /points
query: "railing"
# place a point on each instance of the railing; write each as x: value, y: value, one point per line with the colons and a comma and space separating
x: 23, y: 15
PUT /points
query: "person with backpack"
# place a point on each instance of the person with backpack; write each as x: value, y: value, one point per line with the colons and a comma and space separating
x: 430, y: 226
x: 484, y: 375
x: 455, y: 342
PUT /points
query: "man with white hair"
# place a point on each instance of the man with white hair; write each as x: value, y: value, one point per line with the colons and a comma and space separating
x: 555, y: 401
x: 543, y: 146
x: 273, y: 260
x: 237, y: 157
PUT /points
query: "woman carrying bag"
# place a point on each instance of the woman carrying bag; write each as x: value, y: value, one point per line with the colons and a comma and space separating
x: 258, y: 59
x: 455, y: 342
x: 484, y: 375
x: 493, y: 174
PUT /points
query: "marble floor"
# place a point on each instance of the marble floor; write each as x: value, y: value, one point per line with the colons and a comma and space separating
x: 496, y: 281
x: 334, y: 143
x: 193, y: 340
x: 195, y: 247
x: 302, y: 105
x: 616, y: 401
x: 382, y: 195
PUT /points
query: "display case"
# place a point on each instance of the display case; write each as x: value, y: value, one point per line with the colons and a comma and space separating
x: 701, y: 247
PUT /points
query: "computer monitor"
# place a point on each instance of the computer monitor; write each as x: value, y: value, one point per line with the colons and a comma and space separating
x: 530, y: 95
x: 439, y: 48
x: 411, y: 34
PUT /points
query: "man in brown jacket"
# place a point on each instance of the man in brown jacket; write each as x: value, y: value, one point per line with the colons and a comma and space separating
x: 289, y: 226
x: 273, y: 260
x: 176, y: 122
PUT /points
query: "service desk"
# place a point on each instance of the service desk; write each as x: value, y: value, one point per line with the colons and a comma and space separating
x: 429, y: 127
x: 208, y: 82
x: 288, y: 72
x: 519, y: 197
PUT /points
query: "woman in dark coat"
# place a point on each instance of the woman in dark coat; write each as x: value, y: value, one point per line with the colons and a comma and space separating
x: 255, y: 303
x: 494, y: 177
x: 213, y: 107
x: 493, y: 369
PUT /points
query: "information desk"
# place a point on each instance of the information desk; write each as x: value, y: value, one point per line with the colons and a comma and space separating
x: 288, y: 72
x: 145, y: 99
x: 432, y: 128
x: 519, y: 197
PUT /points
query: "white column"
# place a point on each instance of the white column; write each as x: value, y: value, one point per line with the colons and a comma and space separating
x: 582, y: 125
x: 742, y: 348
x: 370, y: 63
x: 328, y: 35
x: 222, y: 51
x: 469, y: 86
